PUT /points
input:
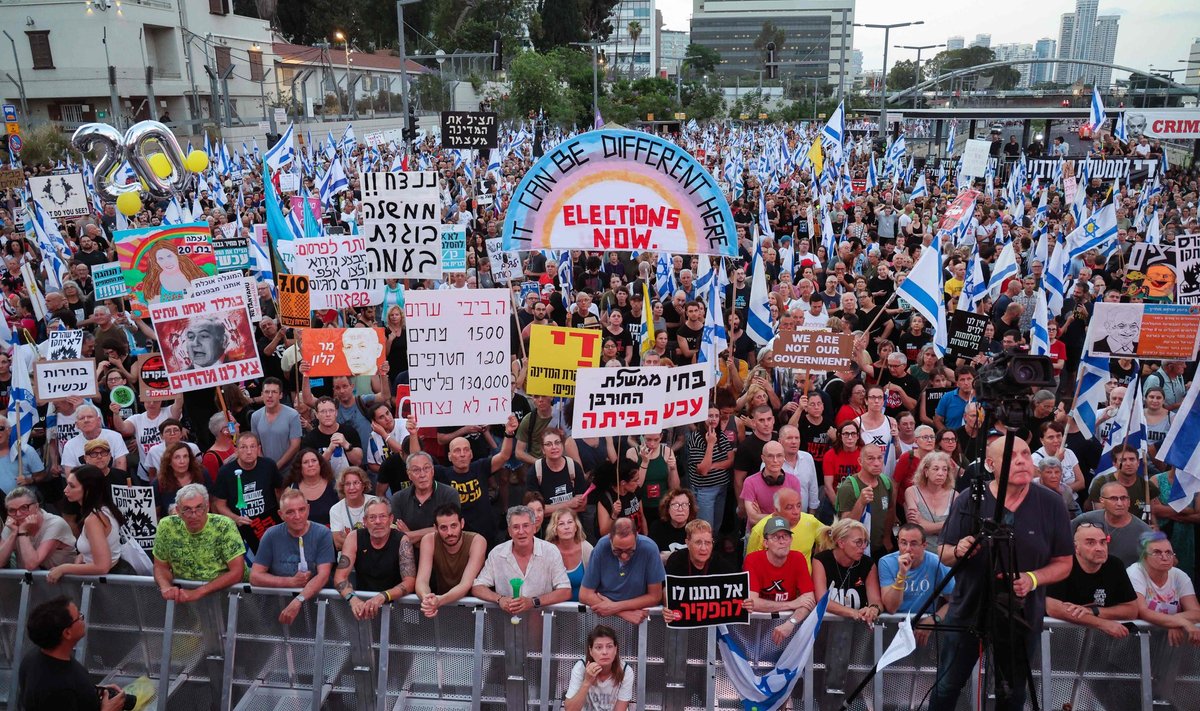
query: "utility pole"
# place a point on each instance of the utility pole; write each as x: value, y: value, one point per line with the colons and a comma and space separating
x: 20, y: 82
x: 403, y: 61
x: 887, y: 30
x: 596, y: 56
x: 919, y: 48
x: 150, y: 93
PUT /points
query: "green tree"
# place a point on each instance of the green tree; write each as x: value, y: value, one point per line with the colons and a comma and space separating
x: 595, y: 15
x: 955, y: 59
x: 635, y: 31
x: 703, y: 59
x: 556, y: 24
x: 902, y: 75
x: 770, y: 33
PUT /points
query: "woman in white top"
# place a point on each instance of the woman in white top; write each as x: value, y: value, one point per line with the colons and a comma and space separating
x: 1165, y: 594
x: 347, y: 514
x: 1053, y: 445
x: 99, y: 542
x: 601, y: 681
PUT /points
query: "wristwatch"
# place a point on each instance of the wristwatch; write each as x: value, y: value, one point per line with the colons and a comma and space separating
x: 300, y: 597
x: 793, y: 621
x: 1095, y: 610
x: 537, y: 601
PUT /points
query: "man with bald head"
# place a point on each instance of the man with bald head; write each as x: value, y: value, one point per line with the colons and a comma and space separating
x: 868, y: 496
x: 1042, y: 556
x: 1097, y: 593
x: 1114, y: 518
x: 758, y: 491
x: 800, y: 464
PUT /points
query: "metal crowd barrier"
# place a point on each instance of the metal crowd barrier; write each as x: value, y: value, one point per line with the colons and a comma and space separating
x: 228, y: 651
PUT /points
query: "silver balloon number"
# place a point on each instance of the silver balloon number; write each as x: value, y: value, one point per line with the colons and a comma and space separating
x: 108, y: 140
x: 138, y: 138
x: 132, y: 148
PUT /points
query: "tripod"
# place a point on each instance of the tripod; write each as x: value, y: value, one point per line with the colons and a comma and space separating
x: 996, y: 620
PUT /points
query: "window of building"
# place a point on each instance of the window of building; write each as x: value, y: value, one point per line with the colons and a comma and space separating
x: 39, y: 47
x: 223, y: 60
x: 218, y: 7
x: 71, y: 113
x: 256, y: 65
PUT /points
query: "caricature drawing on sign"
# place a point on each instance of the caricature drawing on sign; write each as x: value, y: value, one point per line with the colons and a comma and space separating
x: 204, y: 341
x: 168, y: 276
x: 1121, y: 332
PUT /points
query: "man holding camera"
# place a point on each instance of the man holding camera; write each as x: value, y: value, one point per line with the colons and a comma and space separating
x: 50, y: 678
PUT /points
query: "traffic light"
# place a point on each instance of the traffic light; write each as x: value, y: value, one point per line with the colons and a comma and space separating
x: 772, y: 69
x: 497, y: 52
x: 410, y: 130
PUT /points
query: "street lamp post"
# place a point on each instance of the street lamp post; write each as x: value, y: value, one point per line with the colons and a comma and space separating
x: 341, y: 37
x: 20, y: 82
x: 919, y: 49
x: 887, y: 31
x: 596, y: 61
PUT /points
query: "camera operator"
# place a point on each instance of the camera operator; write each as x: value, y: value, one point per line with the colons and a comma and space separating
x: 1043, y: 548
x: 50, y: 677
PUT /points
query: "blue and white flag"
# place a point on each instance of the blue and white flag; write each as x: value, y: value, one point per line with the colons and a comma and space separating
x: 771, y: 691
x: 664, y: 277
x: 974, y: 287
x: 1120, y: 133
x: 566, y: 274
x: 923, y: 290
x: 1055, y: 276
x: 1004, y: 269
x: 1127, y: 427
x: 1181, y: 449
x: 758, y: 322
x: 714, y: 339
x: 1095, y: 232
x: 348, y: 140
x: 22, y: 406
x: 950, y: 139
x: 764, y: 221
x: 282, y: 152
x: 1094, y: 376
x: 1039, y: 333
x: 919, y: 190
x: 704, y: 274
x: 333, y: 182
x: 833, y: 135
x: 1097, y: 117
x: 330, y: 145
x: 872, y: 178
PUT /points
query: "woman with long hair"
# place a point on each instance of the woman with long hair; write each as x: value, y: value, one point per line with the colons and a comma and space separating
x: 843, y: 457
x: 601, y: 681
x: 179, y: 467
x: 565, y: 531
x: 99, y: 541
x: 947, y: 441
x: 168, y: 275
x: 855, y: 402
x: 313, y: 476
x: 928, y: 500
x: 1165, y: 595
x: 842, y: 568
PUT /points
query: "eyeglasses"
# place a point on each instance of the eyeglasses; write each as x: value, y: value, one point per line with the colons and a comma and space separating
x: 680, y: 506
x: 78, y: 619
x: 926, y: 436
x: 1115, y: 498
x: 624, y: 552
x: 849, y: 433
x: 858, y: 542
x: 22, y: 509
x: 95, y: 452
x: 192, y: 510
x: 1161, y: 554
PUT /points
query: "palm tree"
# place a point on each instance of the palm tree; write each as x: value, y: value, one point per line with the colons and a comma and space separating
x: 635, y: 31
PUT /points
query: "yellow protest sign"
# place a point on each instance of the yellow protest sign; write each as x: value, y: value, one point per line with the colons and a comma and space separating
x: 555, y: 354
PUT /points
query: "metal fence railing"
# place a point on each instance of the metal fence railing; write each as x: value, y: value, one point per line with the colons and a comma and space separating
x: 228, y: 651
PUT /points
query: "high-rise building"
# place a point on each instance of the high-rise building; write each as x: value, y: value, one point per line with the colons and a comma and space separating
x: 856, y: 67
x: 625, y: 55
x: 1009, y: 52
x: 1042, y: 49
x: 982, y: 41
x: 817, y: 36
x: 672, y: 48
x: 955, y: 42
x: 1192, y: 76
x: 1084, y: 35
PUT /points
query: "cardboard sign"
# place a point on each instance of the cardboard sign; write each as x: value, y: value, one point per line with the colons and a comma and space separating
x: 314, y: 205
x: 555, y: 354
x: 615, y: 189
x: 454, y: 248
x: 1166, y: 331
x: 966, y: 334
x: 55, y: 380
x: 60, y: 195
x: 1150, y: 273
x: 342, y: 351
x: 975, y: 157
x: 1187, y: 262
x: 232, y: 251
x: 470, y: 129
x: 294, y: 310
x: 155, y: 381
x: 506, y: 265
x: 645, y: 400
x: 402, y: 225
x: 1069, y: 188
x: 66, y: 345
x: 12, y: 178
x: 338, y: 271
x: 109, y: 281
x: 206, y: 341
x: 709, y: 600
x: 459, y: 355
x: 141, y: 514
x: 289, y: 182
x: 813, y: 351
x: 160, y: 263
x: 228, y: 284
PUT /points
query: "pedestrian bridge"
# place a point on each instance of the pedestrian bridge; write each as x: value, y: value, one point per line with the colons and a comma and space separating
x: 229, y: 651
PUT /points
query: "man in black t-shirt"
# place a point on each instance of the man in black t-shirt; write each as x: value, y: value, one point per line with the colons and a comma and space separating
x: 255, y: 507
x: 49, y: 677
x: 471, y: 477
x: 900, y: 388
x: 690, y: 332
x: 338, y: 444
x: 1097, y: 593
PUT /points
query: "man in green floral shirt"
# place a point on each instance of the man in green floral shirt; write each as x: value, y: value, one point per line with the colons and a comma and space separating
x: 197, y: 545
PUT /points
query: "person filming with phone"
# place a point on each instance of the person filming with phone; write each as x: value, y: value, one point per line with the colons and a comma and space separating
x: 50, y: 678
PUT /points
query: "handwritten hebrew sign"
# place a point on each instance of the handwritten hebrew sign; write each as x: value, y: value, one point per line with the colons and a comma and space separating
x: 65, y: 378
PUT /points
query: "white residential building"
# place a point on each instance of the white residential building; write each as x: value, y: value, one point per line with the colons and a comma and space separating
x: 624, y: 54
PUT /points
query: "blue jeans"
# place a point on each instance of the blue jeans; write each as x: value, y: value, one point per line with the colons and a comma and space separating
x: 710, y: 504
x: 960, y: 651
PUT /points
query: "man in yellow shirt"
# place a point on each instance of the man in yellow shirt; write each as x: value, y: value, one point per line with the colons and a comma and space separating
x: 804, y: 526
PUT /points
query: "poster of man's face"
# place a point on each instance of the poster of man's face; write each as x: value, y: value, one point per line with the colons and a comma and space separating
x: 342, y: 351
x: 1115, y: 330
x: 205, y: 341
x: 361, y: 348
x: 1135, y: 125
x: 199, y: 341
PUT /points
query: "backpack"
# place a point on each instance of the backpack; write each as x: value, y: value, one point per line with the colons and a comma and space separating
x: 887, y: 483
x: 537, y: 470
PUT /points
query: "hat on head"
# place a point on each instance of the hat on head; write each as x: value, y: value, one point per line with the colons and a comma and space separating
x: 95, y: 444
x: 775, y: 524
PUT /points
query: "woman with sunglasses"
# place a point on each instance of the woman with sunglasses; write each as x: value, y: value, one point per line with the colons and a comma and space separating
x: 1165, y: 594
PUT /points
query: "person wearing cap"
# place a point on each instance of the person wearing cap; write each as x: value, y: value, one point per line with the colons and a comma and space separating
x: 779, y: 578
x: 98, y: 453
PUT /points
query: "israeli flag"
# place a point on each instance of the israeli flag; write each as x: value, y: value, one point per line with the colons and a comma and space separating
x: 1095, y: 232
x: 704, y: 274
x: 348, y: 139
x: 1094, y: 376
x: 714, y: 338
x: 333, y: 182
x: 22, y: 406
x: 664, y: 277
x: 1097, y: 117
x: 772, y: 690
x: 1154, y: 229
x: 833, y: 135
x: 1128, y: 426
x: 919, y: 190
x: 282, y: 152
x: 759, y: 325
x: 1181, y: 449
x: 923, y: 290
x: 974, y: 288
x: 1039, y: 334
x: 952, y: 138
x: 1004, y: 268
x: 872, y: 179
x: 1120, y: 133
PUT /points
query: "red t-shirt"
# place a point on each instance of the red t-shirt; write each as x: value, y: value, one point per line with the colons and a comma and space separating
x: 781, y: 584
x: 839, y: 464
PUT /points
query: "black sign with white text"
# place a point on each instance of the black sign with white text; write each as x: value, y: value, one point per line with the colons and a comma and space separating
x: 469, y: 129
x: 708, y: 600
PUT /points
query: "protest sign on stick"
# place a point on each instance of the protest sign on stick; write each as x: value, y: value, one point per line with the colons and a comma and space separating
x: 155, y: 381
x: 342, y: 351
x: 454, y: 248
x: 1187, y: 264
x: 294, y: 309
x: 401, y: 222
x: 64, y: 378
x: 141, y: 516
x: 160, y: 263
x: 813, y: 350
x: 338, y: 271
x: 1156, y: 331
x: 206, y: 341
x: 459, y: 356
x: 966, y: 334
x: 709, y: 600
x: 555, y: 354
x: 1150, y: 273
x: 65, y: 345
x: 109, y: 281
x: 506, y: 265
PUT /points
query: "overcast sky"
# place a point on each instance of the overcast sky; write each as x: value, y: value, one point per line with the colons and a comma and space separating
x: 1152, y: 32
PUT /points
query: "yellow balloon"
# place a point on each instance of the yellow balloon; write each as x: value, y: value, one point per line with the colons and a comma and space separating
x: 197, y: 161
x: 160, y: 165
x: 145, y: 188
x: 129, y: 203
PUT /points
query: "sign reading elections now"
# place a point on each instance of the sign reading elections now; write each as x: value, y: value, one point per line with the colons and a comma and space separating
x: 620, y: 190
